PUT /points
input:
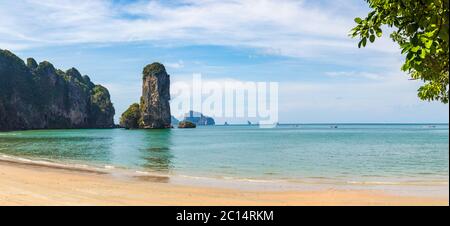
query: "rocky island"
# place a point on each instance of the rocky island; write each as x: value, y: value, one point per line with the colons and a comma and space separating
x: 186, y: 124
x: 153, y: 112
x: 39, y: 96
x: 199, y: 119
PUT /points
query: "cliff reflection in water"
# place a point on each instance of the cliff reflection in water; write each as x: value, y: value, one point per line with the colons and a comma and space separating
x: 156, y: 151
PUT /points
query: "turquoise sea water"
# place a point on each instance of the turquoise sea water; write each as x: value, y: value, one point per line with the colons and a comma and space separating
x: 350, y: 152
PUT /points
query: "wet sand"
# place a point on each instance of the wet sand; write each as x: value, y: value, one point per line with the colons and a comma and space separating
x: 33, y: 184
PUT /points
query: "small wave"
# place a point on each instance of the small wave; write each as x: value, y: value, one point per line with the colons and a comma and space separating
x: 417, y: 183
x: 50, y: 164
x: 142, y: 172
x: 229, y: 178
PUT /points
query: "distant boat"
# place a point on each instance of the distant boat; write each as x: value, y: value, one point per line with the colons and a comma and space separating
x: 334, y: 127
x: 226, y: 124
x: 249, y: 123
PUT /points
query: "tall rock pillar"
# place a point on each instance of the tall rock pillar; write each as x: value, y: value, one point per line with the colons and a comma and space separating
x: 155, y: 107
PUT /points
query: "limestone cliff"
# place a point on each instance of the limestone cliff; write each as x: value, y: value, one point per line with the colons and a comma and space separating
x: 154, y: 108
x: 130, y: 118
x: 38, y: 96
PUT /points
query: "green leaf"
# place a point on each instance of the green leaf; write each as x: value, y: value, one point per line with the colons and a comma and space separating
x: 372, y: 38
x: 430, y: 34
x: 410, y: 56
x: 423, y: 54
x: 379, y: 32
x: 428, y: 44
x: 415, y: 49
x: 406, y: 49
x: 358, y: 20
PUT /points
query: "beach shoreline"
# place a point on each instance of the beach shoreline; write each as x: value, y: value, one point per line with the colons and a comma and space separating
x: 35, y: 184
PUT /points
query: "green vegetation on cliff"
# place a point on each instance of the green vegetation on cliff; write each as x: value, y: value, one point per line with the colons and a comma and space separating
x: 131, y: 117
x: 153, y: 69
x: 39, y: 96
x: 100, y: 105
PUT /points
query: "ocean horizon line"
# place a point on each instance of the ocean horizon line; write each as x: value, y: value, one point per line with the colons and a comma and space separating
x: 345, y: 123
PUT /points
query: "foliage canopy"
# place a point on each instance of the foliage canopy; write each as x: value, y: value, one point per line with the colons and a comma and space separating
x: 422, y: 31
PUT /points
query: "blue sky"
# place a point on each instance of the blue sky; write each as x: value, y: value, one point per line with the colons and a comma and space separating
x: 303, y: 45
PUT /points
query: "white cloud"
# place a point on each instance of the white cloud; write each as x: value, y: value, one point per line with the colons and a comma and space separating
x: 355, y: 75
x: 288, y: 27
x: 176, y: 65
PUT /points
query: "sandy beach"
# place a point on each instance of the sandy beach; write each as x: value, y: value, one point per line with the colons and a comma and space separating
x: 25, y: 184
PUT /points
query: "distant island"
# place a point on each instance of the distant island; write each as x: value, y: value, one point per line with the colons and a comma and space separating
x: 199, y: 119
x: 196, y: 118
x: 39, y: 96
x: 186, y: 125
